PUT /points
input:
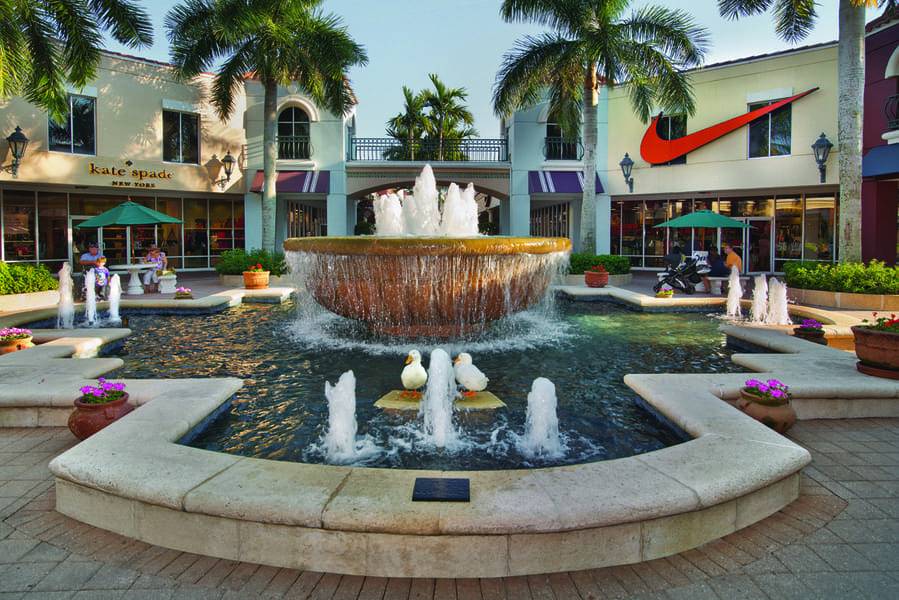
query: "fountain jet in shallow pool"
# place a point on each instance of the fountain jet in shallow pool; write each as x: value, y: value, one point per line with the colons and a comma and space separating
x: 430, y: 279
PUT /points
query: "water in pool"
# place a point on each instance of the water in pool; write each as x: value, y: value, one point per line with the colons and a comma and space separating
x: 584, y: 349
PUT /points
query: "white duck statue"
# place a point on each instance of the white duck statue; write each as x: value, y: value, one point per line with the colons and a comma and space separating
x: 414, y: 375
x: 469, y: 376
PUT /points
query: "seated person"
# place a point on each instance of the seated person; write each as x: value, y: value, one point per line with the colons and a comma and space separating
x: 88, y: 260
x: 101, y: 279
x: 151, y: 277
x: 717, y: 268
x: 674, y: 258
x: 732, y: 259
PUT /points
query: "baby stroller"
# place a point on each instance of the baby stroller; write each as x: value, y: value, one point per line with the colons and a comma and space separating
x: 685, y: 276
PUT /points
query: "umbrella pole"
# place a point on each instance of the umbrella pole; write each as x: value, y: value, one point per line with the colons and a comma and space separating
x: 128, y: 245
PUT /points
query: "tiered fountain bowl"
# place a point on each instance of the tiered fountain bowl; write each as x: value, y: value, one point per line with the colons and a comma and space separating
x: 426, y: 286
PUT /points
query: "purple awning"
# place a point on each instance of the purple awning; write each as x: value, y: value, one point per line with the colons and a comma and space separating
x: 558, y: 182
x: 296, y: 182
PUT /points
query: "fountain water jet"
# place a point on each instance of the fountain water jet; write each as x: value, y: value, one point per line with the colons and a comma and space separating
x: 65, y: 309
x: 541, y: 434
x: 115, y: 298
x: 734, y: 293
x: 777, y: 314
x: 90, y: 298
x: 340, y: 440
x: 437, y: 404
x: 759, y: 299
x: 435, y: 286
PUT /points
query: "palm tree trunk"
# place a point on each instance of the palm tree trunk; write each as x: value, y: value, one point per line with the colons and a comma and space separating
x: 588, y: 204
x: 269, y: 156
x: 851, y: 65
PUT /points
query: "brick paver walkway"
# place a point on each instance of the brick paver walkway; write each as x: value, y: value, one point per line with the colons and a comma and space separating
x: 840, y: 539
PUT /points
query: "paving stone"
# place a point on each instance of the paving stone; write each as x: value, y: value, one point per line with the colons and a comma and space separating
x: 68, y: 575
x: 736, y: 586
x: 798, y: 557
x: 785, y: 586
x: 694, y: 591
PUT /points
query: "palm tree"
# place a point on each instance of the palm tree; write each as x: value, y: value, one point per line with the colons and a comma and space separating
x: 45, y: 44
x: 411, y: 123
x: 444, y: 104
x: 276, y: 41
x: 594, y: 46
x: 794, y: 20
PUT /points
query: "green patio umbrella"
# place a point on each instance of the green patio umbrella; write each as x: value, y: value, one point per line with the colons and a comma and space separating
x: 128, y: 213
x: 705, y: 218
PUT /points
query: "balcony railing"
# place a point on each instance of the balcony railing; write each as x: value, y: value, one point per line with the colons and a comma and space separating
x: 563, y: 148
x: 477, y: 150
x: 293, y: 147
x: 891, y: 112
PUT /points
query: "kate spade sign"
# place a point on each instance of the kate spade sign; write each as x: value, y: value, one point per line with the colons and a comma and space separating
x: 144, y: 179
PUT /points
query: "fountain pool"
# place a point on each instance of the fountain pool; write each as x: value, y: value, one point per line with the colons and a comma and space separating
x: 281, y: 413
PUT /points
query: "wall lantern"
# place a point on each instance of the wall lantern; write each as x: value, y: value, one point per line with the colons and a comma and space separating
x: 227, y: 162
x: 627, y: 165
x: 822, y: 148
x: 17, y: 144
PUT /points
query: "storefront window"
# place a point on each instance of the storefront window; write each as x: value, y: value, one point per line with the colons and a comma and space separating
x: 819, y: 228
x: 758, y: 206
x: 221, y: 230
x: 654, y: 247
x: 52, y: 227
x: 19, y: 227
x: 632, y: 232
x: 615, y: 228
x: 169, y: 234
x: 196, y: 234
x: 788, y: 231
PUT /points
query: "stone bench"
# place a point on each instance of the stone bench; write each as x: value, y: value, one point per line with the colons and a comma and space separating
x: 167, y: 283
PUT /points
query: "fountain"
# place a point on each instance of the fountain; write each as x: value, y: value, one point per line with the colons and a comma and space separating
x: 431, y: 277
x: 65, y: 310
x: 340, y: 441
x: 734, y: 293
x: 437, y: 404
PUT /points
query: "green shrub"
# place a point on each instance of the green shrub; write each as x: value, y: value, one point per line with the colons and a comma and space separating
x: 235, y: 262
x: 857, y: 278
x: 615, y: 265
x: 364, y: 228
x: 23, y: 279
x: 488, y: 228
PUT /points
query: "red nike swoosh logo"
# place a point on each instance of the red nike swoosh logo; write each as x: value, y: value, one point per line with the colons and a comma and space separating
x: 655, y: 150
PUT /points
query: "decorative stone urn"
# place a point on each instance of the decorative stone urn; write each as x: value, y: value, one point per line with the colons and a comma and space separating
x: 596, y: 279
x: 776, y: 414
x: 255, y: 280
x: 88, y: 419
x: 877, y: 351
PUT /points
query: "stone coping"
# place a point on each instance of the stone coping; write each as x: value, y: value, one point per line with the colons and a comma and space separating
x: 362, y: 521
x: 844, y: 300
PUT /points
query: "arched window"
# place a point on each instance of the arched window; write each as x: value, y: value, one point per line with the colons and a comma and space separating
x: 293, y: 134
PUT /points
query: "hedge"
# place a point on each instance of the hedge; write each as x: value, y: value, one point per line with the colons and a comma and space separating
x: 615, y: 265
x: 17, y: 278
x: 857, y: 278
x: 235, y: 262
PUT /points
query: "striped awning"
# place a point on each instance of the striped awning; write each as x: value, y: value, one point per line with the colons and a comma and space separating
x: 296, y: 182
x: 558, y: 182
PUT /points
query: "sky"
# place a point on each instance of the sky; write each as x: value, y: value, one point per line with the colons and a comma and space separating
x: 464, y: 42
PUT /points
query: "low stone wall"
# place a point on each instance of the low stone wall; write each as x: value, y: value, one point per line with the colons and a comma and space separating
x: 9, y: 302
x: 845, y: 300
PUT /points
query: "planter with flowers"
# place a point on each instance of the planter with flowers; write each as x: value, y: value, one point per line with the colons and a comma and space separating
x: 13, y: 338
x: 666, y: 291
x: 98, y: 406
x: 768, y: 402
x: 877, y: 346
x: 596, y: 277
x: 183, y: 293
x: 812, y: 331
x: 255, y: 278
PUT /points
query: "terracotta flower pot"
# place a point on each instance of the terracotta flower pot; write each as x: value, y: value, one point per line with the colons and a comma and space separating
x: 878, y: 349
x: 7, y: 346
x: 811, y: 335
x: 88, y: 419
x: 596, y: 279
x: 255, y: 280
x: 776, y: 414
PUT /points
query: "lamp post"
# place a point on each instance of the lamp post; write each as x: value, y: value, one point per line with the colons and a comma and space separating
x: 821, y: 148
x: 17, y: 144
x: 228, y: 162
x: 627, y: 165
